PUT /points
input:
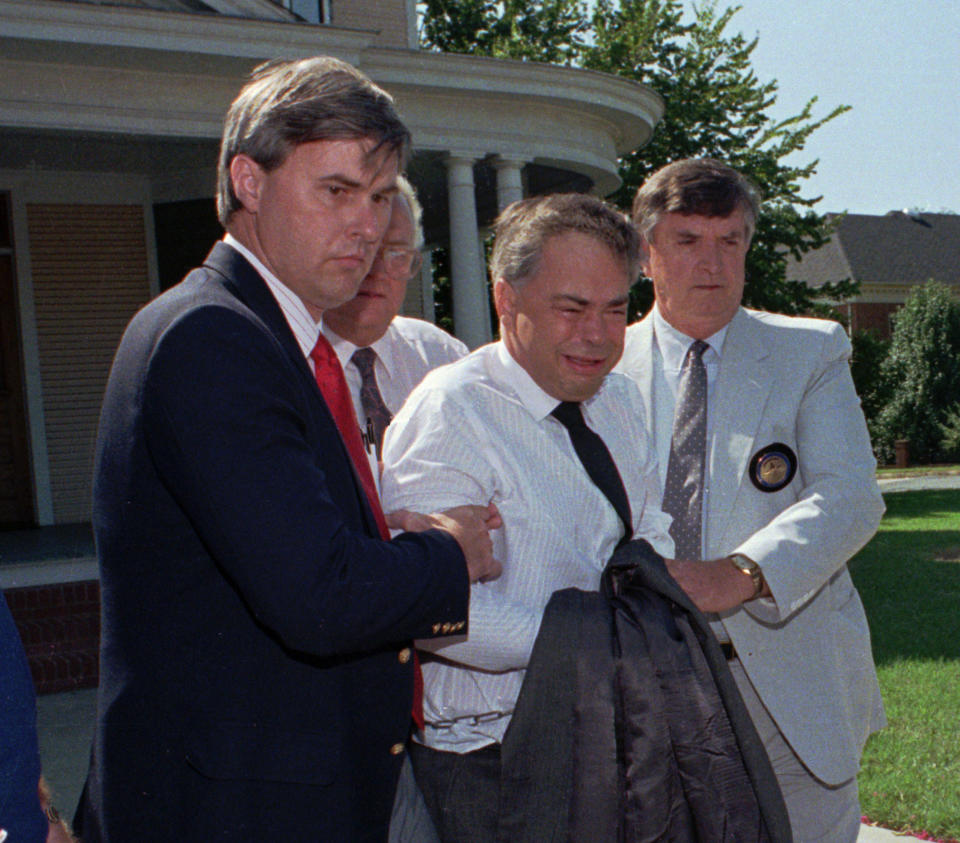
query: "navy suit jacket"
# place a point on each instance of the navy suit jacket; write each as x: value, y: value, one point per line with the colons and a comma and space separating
x: 253, y: 668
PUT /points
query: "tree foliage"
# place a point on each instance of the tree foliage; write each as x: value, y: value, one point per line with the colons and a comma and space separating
x: 714, y: 106
x: 950, y: 433
x: 921, y: 376
x: 549, y: 31
x: 866, y: 367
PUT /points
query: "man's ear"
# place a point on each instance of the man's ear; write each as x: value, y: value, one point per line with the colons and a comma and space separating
x: 504, y: 299
x: 645, y: 257
x: 247, y: 176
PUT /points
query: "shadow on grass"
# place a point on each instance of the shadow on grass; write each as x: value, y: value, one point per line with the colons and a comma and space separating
x: 909, y: 577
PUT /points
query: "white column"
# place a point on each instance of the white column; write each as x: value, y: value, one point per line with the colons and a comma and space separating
x: 471, y: 322
x: 30, y: 349
x: 413, y: 38
x: 509, y: 181
x: 425, y: 279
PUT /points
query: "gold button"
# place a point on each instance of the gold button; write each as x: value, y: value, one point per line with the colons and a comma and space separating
x: 446, y: 628
x: 459, y: 625
x: 436, y: 628
x: 404, y: 655
x: 396, y: 749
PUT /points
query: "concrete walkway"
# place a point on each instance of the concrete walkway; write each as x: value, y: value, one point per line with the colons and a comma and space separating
x: 65, y: 725
x: 920, y: 481
x: 870, y: 834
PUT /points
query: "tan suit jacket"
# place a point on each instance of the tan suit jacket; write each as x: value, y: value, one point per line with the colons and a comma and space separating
x: 807, y: 651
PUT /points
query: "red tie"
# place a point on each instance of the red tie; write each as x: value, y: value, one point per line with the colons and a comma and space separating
x: 333, y: 387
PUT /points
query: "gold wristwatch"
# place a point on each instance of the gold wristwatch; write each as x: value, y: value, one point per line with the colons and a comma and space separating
x: 747, y: 566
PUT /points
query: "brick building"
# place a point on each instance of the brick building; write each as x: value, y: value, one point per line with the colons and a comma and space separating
x: 888, y: 255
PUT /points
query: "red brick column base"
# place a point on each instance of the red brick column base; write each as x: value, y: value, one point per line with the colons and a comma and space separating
x: 60, y: 629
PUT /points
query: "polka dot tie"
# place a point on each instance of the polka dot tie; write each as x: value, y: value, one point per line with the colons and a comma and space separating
x: 683, y: 490
x: 376, y: 412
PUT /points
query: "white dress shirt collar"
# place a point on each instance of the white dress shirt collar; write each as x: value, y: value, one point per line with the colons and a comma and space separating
x: 674, y: 344
x: 304, y: 328
x: 383, y: 347
x: 507, y: 370
x: 343, y: 348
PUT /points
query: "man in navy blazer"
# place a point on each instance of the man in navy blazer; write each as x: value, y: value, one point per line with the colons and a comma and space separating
x: 256, y: 672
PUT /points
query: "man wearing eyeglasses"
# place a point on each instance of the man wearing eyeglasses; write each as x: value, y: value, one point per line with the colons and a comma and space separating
x: 384, y: 356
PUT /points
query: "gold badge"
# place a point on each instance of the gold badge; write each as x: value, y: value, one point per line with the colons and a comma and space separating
x: 773, y: 467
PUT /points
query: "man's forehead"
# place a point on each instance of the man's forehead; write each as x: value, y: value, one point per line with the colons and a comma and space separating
x: 400, y: 210
x: 400, y: 227
x: 376, y: 161
x: 676, y: 224
x: 577, y: 295
x: 734, y: 219
x: 381, y: 158
x: 578, y: 264
x: 603, y: 288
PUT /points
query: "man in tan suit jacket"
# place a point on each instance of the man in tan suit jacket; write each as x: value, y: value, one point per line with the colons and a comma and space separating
x: 788, y: 489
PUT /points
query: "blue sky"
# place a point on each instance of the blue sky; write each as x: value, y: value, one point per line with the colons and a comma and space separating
x: 898, y: 65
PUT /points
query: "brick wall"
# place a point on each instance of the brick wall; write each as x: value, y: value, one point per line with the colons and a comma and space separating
x: 60, y: 629
x: 873, y: 316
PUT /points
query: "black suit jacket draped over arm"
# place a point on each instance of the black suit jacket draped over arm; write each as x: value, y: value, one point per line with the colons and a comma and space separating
x: 629, y: 726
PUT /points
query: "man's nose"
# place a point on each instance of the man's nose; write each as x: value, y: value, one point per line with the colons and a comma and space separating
x: 592, y: 328
x: 378, y: 269
x: 370, y: 220
x: 711, y: 256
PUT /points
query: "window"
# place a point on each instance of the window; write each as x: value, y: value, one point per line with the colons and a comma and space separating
x: 6, y: 287
x: 312, y: 11
x: 6, y: 241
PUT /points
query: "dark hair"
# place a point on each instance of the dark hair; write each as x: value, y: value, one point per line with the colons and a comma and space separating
x: 524, y: 227
x: 287, y: 103
x: 702, y: 186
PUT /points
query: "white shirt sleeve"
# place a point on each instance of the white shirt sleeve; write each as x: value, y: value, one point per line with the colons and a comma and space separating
x: 435, y: 459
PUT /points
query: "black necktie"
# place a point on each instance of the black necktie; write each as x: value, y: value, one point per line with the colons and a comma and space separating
x: 683, y: 489
x: 596, y: 460
x: 370, y: 398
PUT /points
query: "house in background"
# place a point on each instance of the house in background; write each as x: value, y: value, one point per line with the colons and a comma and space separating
x: 110, y: 117
x: 887, y: 255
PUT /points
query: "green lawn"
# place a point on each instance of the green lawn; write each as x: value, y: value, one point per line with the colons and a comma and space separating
x: 909, y: 579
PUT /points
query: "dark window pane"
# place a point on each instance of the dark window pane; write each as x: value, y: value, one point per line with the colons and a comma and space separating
x: 6, y: 241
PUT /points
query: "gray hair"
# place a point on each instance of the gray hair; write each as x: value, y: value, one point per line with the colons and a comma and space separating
x: 524, y: 227
x: 702, y: 186
x: 288, y: 103
x: 408, y: 193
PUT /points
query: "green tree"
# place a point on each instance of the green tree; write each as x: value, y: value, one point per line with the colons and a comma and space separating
x: 950, y: 431
x: 921, y: 376
x: 715, y: 106
x: 549, y: 30
x: 869, y: 352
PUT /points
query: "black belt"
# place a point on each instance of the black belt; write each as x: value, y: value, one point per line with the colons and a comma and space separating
x: 729, y: 651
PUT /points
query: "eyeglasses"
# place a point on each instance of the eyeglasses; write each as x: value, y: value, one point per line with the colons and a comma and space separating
x: 400, y: 261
